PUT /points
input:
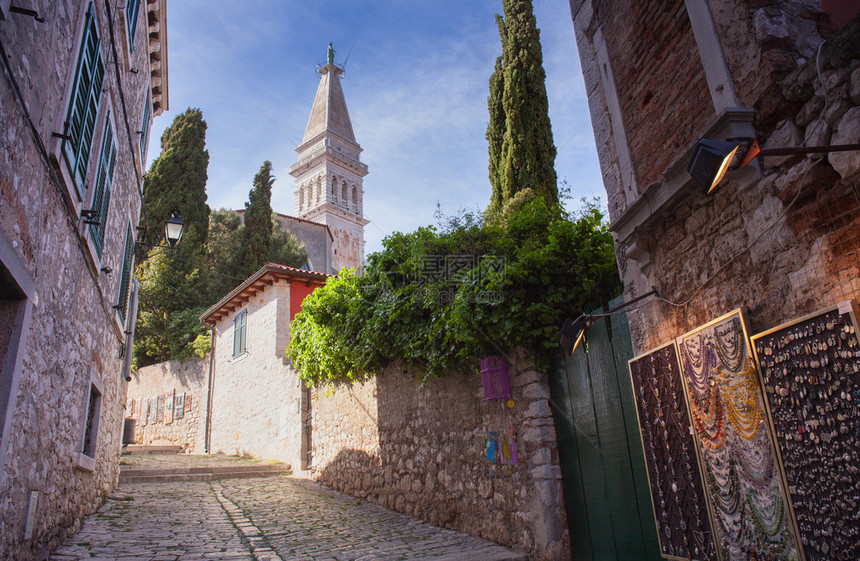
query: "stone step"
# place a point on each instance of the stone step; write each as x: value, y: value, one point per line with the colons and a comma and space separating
x: 202, y: 473
x: 136, y: 449
x: 209, y: 476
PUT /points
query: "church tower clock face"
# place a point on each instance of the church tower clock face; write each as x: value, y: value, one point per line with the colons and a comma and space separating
x: 329, y: 172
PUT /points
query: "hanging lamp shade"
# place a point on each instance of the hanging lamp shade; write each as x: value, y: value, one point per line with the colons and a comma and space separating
x: 173, y: 229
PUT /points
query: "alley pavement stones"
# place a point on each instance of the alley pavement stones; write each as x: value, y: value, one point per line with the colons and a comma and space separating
x: 275, y: 518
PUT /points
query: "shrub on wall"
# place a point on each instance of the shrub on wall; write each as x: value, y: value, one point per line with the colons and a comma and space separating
x: 439, y: 300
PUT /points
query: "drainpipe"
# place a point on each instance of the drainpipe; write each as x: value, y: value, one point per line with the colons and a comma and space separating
x: 131, y: 321
x: 208, y: 434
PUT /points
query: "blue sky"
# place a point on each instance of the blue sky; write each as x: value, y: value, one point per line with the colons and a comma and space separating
x: 415, y: 84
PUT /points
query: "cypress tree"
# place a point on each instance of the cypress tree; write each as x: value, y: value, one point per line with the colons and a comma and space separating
x: 495, y: 135
x: 257, y: 236
x: 176, y: 182
x: 526, y: 160
x: 173, y: 284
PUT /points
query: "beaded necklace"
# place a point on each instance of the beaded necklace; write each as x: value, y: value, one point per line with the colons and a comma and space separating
x: 743, y: 405
x: 730, y: 349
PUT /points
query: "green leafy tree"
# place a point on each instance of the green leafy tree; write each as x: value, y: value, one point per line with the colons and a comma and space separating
x: 522, y: 165
x: 173, y: 286
x: 224, y: 240
x: 256, y: 244
x: 517, y: 283
x: 166, y: 329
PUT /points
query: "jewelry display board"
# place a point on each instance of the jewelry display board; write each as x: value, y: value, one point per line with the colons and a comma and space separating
x: 811, y: 373
x: 744, y: 486
x: 683, y: 521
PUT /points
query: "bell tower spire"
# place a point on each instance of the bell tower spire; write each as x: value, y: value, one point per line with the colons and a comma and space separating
x: 329, y: 173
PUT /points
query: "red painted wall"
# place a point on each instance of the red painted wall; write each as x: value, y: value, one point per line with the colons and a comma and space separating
x: 299, y: 290
x: 840, y: 11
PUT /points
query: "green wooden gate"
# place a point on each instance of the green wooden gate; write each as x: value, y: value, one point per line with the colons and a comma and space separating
x: 603, y: 468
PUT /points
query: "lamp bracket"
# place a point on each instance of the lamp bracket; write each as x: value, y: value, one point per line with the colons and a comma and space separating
x: 26, y: 12
x: 91, y: 217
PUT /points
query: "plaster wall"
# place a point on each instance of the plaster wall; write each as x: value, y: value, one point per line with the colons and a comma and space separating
x: 256, y: 396
x: 421, y: 449
x: 73, y: 337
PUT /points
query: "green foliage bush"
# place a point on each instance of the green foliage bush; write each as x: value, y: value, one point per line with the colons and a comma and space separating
x: 514, y: 284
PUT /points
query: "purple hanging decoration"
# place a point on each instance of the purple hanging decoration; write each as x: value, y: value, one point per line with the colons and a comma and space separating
x: 494, y: 375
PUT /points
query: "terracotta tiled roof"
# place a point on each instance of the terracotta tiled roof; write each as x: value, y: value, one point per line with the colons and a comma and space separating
x: 256, y: 283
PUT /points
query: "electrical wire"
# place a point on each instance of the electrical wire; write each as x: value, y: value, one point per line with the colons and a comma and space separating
x: 787, y: 207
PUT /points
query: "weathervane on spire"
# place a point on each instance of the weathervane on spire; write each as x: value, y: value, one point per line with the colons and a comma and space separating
x: 330, y: 54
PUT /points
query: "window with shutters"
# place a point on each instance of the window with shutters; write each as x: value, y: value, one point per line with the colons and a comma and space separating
x: 79, y: 126
x: 91, y: 424
x: 240, y: 325
x: 132, y: 8
x: 125, y: 279
x: 104, y: 185
x: 144, y: 130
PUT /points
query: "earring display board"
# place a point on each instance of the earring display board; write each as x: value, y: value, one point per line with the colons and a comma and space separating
x: 683, y: 524
x: 744, y: 486
x: 811, y: 373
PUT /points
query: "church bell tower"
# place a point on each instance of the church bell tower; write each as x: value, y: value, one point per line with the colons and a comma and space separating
x: 329, y: 174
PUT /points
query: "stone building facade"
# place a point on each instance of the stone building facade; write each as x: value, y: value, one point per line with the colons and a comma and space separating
x: 425, y: 450
x: 780, y: 238
x: 169, y: 404
x: 81, y: 83
x: 257, y: 402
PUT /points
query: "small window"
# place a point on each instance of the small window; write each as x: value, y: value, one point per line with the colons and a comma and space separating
x: 127, y: 264
x: 84, y: 104
x: 91, y: 429
x: 104, y: 184
x: 144, y: 130
x: 132, y: 8
x: 240, y: 325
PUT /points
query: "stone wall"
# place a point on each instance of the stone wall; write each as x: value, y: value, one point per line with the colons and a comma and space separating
x: 780, y: 239
x: 70, y: 337
x: 185, y: 428
x: 256, y: 396
x: 658, y: 45
x: 421, y: 449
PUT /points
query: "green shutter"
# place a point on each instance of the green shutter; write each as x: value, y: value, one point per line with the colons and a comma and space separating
x: 144, y: 131
x: 240, y: 323
x: 127, y: 264
x: 132, y: 7
x: 104, y: 182
x: 84, y: 104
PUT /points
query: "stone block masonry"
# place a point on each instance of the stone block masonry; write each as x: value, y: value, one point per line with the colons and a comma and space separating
x: 186, y: 428
x: 423, y: 450
x: 62, y: 391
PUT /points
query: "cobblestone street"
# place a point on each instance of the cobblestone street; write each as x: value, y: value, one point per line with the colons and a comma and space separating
x: 260, y: 519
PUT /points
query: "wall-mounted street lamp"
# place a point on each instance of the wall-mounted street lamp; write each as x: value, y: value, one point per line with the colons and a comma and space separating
x: 573, y: 330
x: 712, y: 158
x: 173, y: 230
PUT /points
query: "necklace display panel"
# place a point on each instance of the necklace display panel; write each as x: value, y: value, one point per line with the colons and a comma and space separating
x: 811, y: 373
x: 744, y: 485
x: 683, y: 520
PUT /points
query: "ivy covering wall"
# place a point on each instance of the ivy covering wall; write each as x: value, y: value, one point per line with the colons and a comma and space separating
x: 440, y: 299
